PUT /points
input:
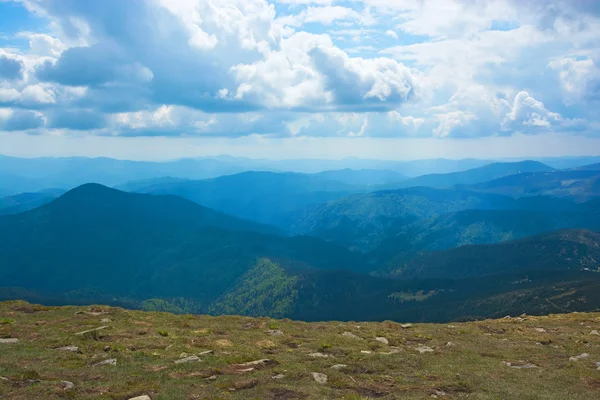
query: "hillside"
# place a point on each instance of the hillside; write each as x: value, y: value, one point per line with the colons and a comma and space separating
x: 143, y: 246
x: 166, y: 356
x: 258, y: 196
x: 363, y: 221
x: 477, y: 175
x: 574, y: 249
x: 26, y: 201
x: 362, y: 177
x: 581, y: 185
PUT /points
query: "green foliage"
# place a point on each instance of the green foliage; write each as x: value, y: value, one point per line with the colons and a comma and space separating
x: 265, y: 290
x: 163, y: 333
x: 176, y: 305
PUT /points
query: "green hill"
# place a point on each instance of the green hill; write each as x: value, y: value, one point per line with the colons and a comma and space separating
x: 26, y: 201
x: 574, y: 249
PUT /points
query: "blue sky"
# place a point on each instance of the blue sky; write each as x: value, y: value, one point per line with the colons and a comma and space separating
x: 291, y: 78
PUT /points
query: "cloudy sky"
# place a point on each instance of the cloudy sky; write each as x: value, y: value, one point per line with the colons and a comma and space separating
x: 294, y: 78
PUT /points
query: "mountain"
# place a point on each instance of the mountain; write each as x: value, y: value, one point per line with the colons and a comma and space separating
x: 134, y: 186
x: 362, y: 177
x: 25, y: 201
x: 362, y: 221
x: 589, y: 167
x: 574, y: 249
x: 258, y: 196
x: 580, y: 185
x: 143, y: 246
x: 477, y: 175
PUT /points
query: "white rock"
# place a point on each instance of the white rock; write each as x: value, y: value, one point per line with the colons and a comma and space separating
x: 595, y: 332
x: 73, y: 349
x: 105, y: 320
x: 579, y: 357
x: 204, y: 353
x: 275, y: 332
x: 278, y: 376
x: 109, y: 361
x: 424, y: 349
x: 321, y: 355
x: 350, y: 335
x: 405, y: 326
x: 339, y: 366
x: 258, y: 363
x: 144, y: 397
x: 382, y: 340
x: 67, y: 385
x: 366, y: 351
x: 541, y: 330
x: 184, y: 355
x: 319, y: 377
x: 450, y: 344
x: 187, y: 359
x: 9, y: 341
x: 91, y: 330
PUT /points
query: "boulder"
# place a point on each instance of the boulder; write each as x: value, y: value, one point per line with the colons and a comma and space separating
x: 319, y: 377
x: 382, y: 340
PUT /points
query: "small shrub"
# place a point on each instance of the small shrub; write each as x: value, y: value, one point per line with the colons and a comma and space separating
x: 326, y: 346
x: 163, y: 333
x: 6, y: 321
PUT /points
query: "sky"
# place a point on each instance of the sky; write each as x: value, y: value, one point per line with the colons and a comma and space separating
x: 394, y: 79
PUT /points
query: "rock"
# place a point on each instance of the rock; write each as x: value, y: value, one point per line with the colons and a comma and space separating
x: 541, y: 330
x: 91, y: 313
x: 405, y: 326
x: 211, y: 378
x: 67, y: 385
x: 207, y: 352
x: 598, y: 365
x: 366, y: 351
x: 105, y: 320
x: 579, y: 357
x: 3, y: 378
x: 339, y: 366
x: 595, y: 332
x: 350, y: 335
x: 9, y: 341
x: 278, y: 376
x: 144, y: 397
x: 382, y: 340
x: 450, y: 344
x: 184, y: 355
x: 519, y: 366
x: 438, y: 392
x: 109, y: 361
x: 91, y: 330
x: 106, y: 348
x: 254, y: 364
x: 187, y: 359
x: 275, y: 332
x: 319, y: 355
x: 394, y: 350
x: 73, y: 349
x: 424, y: 349
x: 249, y: 325
x: 319, y: 377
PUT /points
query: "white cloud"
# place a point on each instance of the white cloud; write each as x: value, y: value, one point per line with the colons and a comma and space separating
x: 527, y: 112
x: 449, y: 121
x: 391, y: 34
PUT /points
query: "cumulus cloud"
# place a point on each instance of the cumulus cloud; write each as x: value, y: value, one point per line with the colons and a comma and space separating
x: 10, y: 68
x: 527, y: 112
x: 20, y: 120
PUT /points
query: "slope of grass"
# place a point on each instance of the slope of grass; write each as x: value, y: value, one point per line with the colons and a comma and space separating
x: 461, y: 360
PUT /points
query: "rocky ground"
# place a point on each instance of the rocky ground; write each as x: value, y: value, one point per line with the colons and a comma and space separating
x: 110, y: 353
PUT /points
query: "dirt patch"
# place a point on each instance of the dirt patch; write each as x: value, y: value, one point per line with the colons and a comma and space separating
x: 245, y: 384
x: 592, y: 383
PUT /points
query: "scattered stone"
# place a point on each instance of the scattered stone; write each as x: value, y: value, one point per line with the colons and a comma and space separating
x: 184, y: 355
x: 105, y: 320
x: 339, y: 366
x: 450, y: 344
x: 275, y: 332
x: 278, y: 376
x: 207, y: 352
x: 350, y: 335
x: 91, y: 313
x: 439, y: 393
x: 109, y: 361
x: 187, y: 359
x: 579, y: 357
x: 394, y: 350
x: 106, y: 348
x: 541, y: 330
x: 424, y: 349
x: 519, y: 366
x: 9, y: 341
x: 598, y: 366
x: 366, y: 351
x: 2, y: 378
x: 211, y: 378
x: 91, y: 330
x: 382, y: 340
x: 256, y: 364
x: 73, y: 349
x: 405, y: 326
x: 319, y: 377
x: 66, y: 385
x: 144, y: 397
x: 595, y: 332
x: 320, y: 355
x: 249, y: 325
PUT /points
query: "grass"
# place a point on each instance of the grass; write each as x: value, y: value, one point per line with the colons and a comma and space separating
x: 468, y: 360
